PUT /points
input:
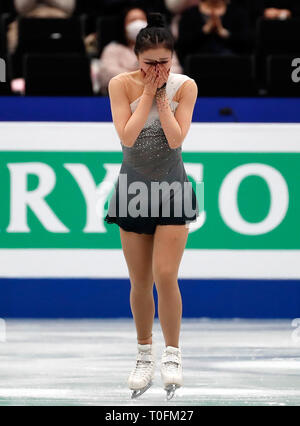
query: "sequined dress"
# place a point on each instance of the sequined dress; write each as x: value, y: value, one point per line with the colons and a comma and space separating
x: 151, y: 160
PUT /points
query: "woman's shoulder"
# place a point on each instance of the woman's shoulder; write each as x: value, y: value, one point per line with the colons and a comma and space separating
x: 127, y: 81
x: 131, y: 75
x: 121, y: 78
x: 130, y: 82
x: 125, y: 75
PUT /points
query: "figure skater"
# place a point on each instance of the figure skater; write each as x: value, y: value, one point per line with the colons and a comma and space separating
x: 152, y: 111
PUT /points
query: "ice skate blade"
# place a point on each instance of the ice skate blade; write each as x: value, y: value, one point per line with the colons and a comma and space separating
x: 170, y: 389
x: 138, y: 392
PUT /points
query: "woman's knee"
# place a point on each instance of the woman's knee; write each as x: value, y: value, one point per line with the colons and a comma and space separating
x: 141, y: 283
x: 164, y: 274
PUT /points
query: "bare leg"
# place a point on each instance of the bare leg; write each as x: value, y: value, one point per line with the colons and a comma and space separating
x: 168, y: 248
x: 137, y: 250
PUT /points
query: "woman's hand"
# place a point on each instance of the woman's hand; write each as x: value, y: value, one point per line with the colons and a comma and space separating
x: 150, y: 80
x: 274, y: 13
x: 163, y: 75
x: 221, y: 31
x: 209, y: 26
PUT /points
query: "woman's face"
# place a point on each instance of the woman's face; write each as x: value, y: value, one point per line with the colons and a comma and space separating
x: 134, y: 15
x: 215, y: 8
x: 152, y: 57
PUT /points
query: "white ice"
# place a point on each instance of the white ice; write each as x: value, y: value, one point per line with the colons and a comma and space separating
x: 87, y: 362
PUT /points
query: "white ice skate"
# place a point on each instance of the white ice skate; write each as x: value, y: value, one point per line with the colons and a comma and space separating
x: 171, y: 370
x: 141, y: 377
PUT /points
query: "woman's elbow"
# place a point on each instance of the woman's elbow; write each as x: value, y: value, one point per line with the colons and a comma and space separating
x: 175, y: 143
x: 128, y: 142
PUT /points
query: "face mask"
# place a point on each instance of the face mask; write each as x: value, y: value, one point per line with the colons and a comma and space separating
x: 134, y: 28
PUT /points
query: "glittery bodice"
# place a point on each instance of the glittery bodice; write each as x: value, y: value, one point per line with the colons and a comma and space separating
x: 151, y: 156
x: 151, y: 159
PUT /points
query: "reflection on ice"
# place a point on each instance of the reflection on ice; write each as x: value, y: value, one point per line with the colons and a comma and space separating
x: 86, y: 362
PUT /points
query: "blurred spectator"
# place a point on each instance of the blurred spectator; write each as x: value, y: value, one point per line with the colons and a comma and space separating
x: 119, y: 56
x: 213, y: 27
x: 34, y: 9
x: 279, y: 9
x: 273, y: 9
x: 37, y: 9
x: 176, y: 7
x: 25, y: 6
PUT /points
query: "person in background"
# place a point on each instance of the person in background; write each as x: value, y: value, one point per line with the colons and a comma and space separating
x: 25, y: 6
x: 37, y: 9
x: 279, y: 9
x: 272, y: 9
x: 269, y: 9
x: 213, y: 27
x: 177, y: 7
x: 119, y: 56
x: 34, y: 9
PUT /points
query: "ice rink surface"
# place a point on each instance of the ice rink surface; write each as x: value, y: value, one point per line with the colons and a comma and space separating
x: 87, y: 362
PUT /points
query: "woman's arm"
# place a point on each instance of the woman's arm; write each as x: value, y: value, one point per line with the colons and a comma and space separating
x: 177, y: 125
x: 128, y: 124
x: 236, y: 21
x: 190, y: 33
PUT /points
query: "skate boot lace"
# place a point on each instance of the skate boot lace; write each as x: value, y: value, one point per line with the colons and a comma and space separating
x: 144, y: 364
x: 171, y: 362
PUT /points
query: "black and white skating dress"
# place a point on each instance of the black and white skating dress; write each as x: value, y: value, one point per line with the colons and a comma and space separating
x: 148, y: 162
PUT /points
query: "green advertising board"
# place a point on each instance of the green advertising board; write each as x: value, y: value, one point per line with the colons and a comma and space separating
x: 52, y: 176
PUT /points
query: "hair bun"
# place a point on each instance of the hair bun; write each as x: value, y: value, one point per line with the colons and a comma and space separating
x: 156, y: 19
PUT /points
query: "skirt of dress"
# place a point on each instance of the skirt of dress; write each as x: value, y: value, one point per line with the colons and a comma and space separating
x: 147, y: 224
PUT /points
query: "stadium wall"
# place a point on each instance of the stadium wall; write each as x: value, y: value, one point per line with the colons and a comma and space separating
x: 58, y: 259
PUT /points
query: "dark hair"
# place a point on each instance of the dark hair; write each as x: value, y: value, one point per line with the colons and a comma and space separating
x: 155, y: 33
x: 122, y: 16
